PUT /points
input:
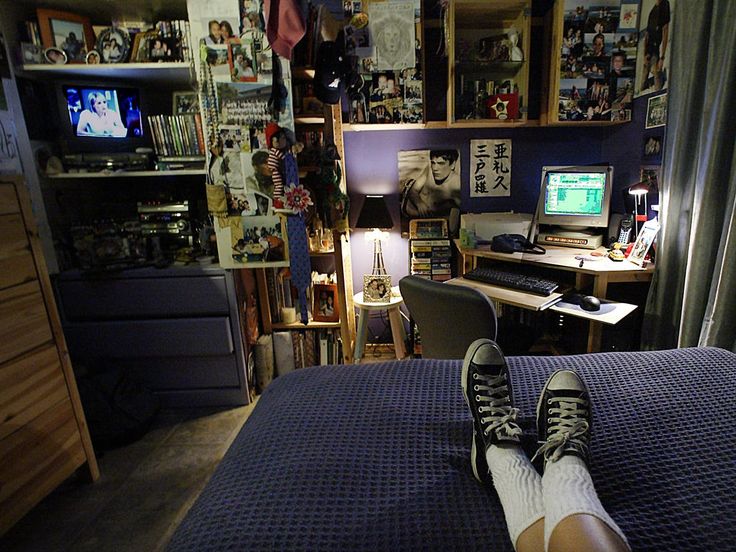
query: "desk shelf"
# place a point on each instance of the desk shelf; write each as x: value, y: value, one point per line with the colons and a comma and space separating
x: 179, y: 72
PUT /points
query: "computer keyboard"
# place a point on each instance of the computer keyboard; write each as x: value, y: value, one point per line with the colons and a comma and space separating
x: 514, y: 280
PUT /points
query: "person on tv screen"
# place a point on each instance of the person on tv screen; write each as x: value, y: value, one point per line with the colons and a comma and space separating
x: 99, y: 119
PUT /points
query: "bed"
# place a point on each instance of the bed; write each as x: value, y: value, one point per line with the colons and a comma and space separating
x: 375, y: 457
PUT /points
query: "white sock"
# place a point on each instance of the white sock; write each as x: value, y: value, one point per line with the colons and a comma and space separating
x: 519, y: 487
x: 568, y: 490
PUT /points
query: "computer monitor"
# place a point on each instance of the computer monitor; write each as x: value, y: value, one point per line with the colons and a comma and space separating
x: 575, y: 197
x: 101, y: 117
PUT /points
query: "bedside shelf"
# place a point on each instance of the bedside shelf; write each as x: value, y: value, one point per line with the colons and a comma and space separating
x: 128, y: 174
x: 172, y: 72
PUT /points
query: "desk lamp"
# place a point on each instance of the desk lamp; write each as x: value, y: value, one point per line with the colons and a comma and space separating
x: 637, y: 190
x: 374, y: 215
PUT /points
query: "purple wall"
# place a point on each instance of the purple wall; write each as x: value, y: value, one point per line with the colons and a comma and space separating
x: 371, y: 167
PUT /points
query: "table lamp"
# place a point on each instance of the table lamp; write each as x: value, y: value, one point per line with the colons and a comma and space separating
x: 374, y: 215
x: 637, y: 190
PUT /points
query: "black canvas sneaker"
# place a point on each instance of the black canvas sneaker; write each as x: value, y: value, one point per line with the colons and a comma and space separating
x: 487, y: 392
x: 563, y: 417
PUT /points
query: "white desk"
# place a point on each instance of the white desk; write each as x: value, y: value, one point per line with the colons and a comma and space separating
x: 394, y: 315
x: 600, y: 272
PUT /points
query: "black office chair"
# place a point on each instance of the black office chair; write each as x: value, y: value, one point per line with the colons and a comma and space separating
x: 449, y: 317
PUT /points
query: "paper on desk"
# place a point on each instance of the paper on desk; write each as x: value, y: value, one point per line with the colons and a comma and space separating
x: 487, y: 225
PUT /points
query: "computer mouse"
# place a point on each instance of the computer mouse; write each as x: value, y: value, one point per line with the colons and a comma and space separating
x: 590, y: 303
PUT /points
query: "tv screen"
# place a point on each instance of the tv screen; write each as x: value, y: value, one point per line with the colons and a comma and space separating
x: 575, y: 193
x: 102, y: 112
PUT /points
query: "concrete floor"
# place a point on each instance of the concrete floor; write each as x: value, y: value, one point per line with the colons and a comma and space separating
x: 144, y: 491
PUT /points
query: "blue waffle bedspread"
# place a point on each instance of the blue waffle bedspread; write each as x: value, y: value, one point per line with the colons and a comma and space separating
x: 375, y: 457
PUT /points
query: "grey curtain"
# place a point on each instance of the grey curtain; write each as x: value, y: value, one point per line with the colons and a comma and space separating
x: 692, y: 301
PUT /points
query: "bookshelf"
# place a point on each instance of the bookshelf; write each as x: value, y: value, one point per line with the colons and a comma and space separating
x: 127, y: 174
x: 155, y: 73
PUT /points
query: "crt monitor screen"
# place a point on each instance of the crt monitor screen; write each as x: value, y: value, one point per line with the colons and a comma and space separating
x: 575, y: 193
x: 102, y: 112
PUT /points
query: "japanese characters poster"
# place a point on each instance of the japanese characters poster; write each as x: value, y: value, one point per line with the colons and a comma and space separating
x: 429, y: 183
x: 490, y: 168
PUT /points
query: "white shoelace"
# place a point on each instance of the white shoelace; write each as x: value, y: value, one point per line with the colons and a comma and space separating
x: 567, y: 428
x: 502, y: 417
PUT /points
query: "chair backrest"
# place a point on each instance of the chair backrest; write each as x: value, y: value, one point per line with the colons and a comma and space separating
x: 449, y: 317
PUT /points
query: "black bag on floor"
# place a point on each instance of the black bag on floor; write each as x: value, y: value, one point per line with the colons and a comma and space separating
x: 119, y: 410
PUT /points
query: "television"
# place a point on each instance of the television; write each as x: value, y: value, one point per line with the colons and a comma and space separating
x: 101, y: 117
x: 575, y: 197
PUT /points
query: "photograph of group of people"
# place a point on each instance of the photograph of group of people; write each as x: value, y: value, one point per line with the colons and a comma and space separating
x: 598, y: 62
x: 392, y: 97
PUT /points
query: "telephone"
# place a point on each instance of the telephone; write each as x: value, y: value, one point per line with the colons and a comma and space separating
x: 624, y: 233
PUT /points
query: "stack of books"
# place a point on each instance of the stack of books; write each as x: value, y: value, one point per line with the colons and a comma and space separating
x: 177, y: 135
x: 431, y: 259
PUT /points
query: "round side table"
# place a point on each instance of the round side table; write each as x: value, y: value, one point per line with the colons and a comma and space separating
x: 394, y: 316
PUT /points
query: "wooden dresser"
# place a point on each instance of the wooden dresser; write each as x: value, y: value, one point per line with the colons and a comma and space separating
x: 43, y: 432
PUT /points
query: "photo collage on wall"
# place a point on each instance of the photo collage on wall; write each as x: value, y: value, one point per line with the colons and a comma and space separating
x: 236, y: 61
x: 384, y: 40
x: 598, y: 60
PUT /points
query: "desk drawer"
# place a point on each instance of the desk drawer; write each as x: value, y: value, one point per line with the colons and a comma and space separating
x: 142, y: 298
x: 150, y: 338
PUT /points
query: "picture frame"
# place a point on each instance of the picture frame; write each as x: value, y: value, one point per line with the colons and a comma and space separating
x: 140, y: 51
x: 376, y: 288
x: 93, y: 57
x: 161, y: 49
x: 184, y: 102
x: 31, y: 54
x: 656, y: 111
x: 55, y: 56
x: 59, y: 30
x: 650, y: 174
x: 652, y: 147
x: 644, y: 242
x: 114, y: 45
x: 325, y: 307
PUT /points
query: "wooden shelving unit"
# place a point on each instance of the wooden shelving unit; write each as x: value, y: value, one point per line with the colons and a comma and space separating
x: 127, y: 174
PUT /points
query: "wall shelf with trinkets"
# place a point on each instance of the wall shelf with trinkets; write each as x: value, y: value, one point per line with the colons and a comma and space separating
x: 488, y: 63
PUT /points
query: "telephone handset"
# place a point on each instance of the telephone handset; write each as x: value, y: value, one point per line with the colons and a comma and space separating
x: 624, y: 233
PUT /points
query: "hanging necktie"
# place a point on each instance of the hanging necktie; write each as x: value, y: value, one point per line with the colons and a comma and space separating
x: 301, y: 268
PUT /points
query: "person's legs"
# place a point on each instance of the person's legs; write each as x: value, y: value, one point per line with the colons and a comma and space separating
x: 496, y: 448
x: 575, y: 519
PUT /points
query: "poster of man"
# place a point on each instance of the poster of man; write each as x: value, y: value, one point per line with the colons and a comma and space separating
x: 655, y: 23
x: 429, y: 183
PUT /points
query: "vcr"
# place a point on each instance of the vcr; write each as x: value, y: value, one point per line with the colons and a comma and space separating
x: 95, y: 162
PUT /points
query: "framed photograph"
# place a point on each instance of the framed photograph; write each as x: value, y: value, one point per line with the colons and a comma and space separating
x: 163, y: 49
x: 70, y: 32
x: 55, y: 56
x: 141, y: 46
x: 376, y: 289
x: 31, y: 53
x: 650, y: 174
x: 643, y: 242
x: 324, y: 299
x: 657, y: 111
x: 242, y: 60
x: 114, y: 45
x: 185, y: 102
x: 93, y: 57
x: 652, y: 147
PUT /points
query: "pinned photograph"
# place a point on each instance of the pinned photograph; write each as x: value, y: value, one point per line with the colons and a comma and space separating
x: 629, y: 16
x: 429, y: 183
x: 262, y: 241
x: 653, y: 58
x: 393, y: 32
x: 234, y: 138
x: 216, y: 57
x: 657, y: 111
x: 376, y: 289
x: 241, y: 58
x: 257, y: 173
x: 219, y: 30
